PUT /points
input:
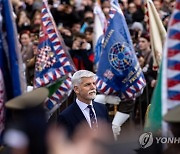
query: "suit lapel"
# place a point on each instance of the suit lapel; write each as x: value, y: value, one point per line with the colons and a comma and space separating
x: 98, y: 113
x: 77, y: 113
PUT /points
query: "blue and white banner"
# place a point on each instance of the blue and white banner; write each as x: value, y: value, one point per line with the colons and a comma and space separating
x: 119, y: 72
x: 54, y: 67
x: 53, y: 62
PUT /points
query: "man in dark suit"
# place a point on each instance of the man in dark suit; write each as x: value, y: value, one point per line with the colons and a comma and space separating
x: 84, y: 110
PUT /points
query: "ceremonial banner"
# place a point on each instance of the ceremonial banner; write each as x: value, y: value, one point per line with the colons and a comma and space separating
x: 119, y: 72
x: 167, y: 92
x: 171, y: 64
x: 52, y: 60
x: 53, y: 64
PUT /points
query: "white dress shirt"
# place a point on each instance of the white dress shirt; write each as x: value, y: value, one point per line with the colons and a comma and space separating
x: 85, y: 110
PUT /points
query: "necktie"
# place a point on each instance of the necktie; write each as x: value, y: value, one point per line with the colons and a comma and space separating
x: 92, y: 118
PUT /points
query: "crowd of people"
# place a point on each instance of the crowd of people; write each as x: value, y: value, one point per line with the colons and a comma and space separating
x: 75, y: 23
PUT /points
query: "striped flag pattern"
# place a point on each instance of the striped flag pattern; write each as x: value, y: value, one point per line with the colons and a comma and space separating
x: 52, y: 103
x: 166, y: 94
x: 173, y: 59
x: 53, y: 63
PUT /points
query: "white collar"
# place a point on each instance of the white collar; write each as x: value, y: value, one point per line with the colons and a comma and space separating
x: 82, y: 105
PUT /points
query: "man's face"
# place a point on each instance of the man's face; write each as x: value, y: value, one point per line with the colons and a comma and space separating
x: 86, y: 90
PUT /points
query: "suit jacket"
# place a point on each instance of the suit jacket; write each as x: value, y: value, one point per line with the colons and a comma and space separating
x: 72, y: 116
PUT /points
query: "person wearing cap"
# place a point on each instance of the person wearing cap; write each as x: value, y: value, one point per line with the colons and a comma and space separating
x: 82, y: 109
x: 26, y: 129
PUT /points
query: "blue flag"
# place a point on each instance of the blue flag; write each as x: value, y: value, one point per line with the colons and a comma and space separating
x: 119, y: 72
x: 11, y: 84
x: 9, y: 49
x: 98, y: 49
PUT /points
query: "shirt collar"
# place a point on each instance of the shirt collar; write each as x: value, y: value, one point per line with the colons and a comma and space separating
x: 82, y: 105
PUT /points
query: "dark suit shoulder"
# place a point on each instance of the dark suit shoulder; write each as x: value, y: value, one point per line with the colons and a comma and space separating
x: 68, y: 110
x: 101, y: 110
x: 100, y: 106
x: 66, y: 114
x: 70, y: 118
